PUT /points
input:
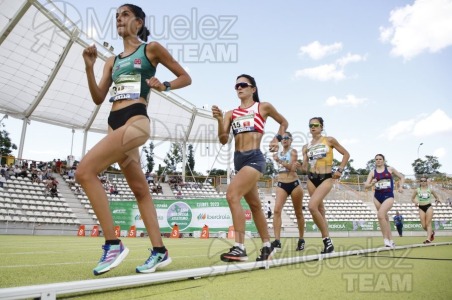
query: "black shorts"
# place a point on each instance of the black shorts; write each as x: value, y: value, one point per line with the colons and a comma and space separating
x: 317, y: 179
x: 252, y: 158
x: 119, y: 117
x: 289, y: 187
x: 424, y: 208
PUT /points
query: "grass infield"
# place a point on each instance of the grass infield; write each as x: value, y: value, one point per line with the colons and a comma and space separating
x: 417, y: 273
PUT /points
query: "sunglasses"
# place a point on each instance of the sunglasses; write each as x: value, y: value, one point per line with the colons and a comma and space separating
x: 242, y: 85
x: 423, y: 180
x: 286, y: 138
x: 314, y: 125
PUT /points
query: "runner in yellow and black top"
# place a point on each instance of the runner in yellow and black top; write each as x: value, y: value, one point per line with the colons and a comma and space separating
x: 318, y: 162
x: 132, y: 73
x: 422, y: 198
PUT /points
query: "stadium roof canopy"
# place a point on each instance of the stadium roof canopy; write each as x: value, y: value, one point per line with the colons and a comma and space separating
x: 43, y: 79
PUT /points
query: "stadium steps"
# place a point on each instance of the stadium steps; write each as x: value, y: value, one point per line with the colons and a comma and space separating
x: 73, y: 202
x: 166, y: 189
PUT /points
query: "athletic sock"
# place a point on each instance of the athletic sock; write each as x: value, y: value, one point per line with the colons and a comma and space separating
x: 241, y: 246
x: 159, y: 249
x: 112, y: 242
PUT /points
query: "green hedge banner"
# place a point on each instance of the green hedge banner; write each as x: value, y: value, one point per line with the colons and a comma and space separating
x: 191, y: 215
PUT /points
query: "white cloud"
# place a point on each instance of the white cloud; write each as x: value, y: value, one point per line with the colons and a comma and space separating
x: 349, y: 58
x: 424, y: 26
x: 317, y: 51
x: 437, y: 122
x: 350, y: 100
x: 322, y: 73
x: 333, y: 71
x: 442, y: 124
x: 400, y: 128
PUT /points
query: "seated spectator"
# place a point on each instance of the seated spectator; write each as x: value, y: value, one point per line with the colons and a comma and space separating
x: 23, y: 173
x: 78, y: 191
x: 113, y: 190
x: 71, y: 173
x: 159, y: 189
x: 16, y: 170
x: 53, y: 191
x: 150, y: 179
x: 179, y: 194
x: 34, y: 176
x: 2, y: 180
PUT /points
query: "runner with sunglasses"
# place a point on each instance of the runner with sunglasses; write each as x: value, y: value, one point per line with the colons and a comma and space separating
x: 318, y: 163
x: 382, y: 178
x: 422, y: 199
x: 288, y: 185
x: 247, y: 122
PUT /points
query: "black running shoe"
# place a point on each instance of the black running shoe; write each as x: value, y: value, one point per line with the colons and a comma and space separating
x: 266, y: 253
x: 276, y: 244
x: 234, y: 254
x: 432, y: 236
x: 329, y: 248
x: 300, y: 245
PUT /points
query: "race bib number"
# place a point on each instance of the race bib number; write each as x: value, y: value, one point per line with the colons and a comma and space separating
x: 424, y: 195
x: 126, y: 87
x: 383, y: 184
x: 317, y: 152
x: 243, y: 124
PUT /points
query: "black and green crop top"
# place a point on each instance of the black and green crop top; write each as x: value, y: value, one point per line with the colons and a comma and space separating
x: 129, y: 76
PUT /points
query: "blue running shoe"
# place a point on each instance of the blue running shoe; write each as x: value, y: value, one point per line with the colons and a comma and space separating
x: 113, y: 255
x: 156, y: 260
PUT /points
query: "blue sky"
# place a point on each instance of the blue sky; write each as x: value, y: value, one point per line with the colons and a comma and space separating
x: 376, y: 71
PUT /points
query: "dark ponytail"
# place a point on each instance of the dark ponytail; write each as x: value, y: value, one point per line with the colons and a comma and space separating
x: 253, y: 83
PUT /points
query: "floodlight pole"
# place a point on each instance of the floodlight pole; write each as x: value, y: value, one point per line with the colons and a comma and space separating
x: 418, y: 149
x: 72, y: 142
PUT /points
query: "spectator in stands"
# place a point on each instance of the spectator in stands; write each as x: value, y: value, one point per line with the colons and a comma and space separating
x: 24, y: 172
x: 159, y: 189
x: 398, y: 222
x: 78, y: 191
x: 268, y: 210
x: 71, y: 173
x: 113, y: 190
x: 179, y: 194
x: 129, y: 128
x: 247, y: 122
x: 16, y: 170
x: 382, y: 179
x: 318, y: 162
x: 53, y: 165
x: 34, y: 176
x: 422, y: 199
x: 288, y: 185
x: 2, y: 180
x: 53, y: 191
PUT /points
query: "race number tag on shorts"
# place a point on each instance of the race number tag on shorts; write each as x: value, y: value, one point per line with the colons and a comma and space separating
x: 126, y: 87
x: 243, y: 124
x: 383, y: 184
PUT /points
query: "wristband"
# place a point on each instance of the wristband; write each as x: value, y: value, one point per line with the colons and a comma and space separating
x: 278, y: 137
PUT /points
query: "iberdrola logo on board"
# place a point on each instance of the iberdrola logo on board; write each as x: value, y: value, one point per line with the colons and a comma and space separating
x: 179, y: 213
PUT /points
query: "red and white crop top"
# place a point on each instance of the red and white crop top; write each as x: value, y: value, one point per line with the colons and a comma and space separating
x: 247, y: 120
